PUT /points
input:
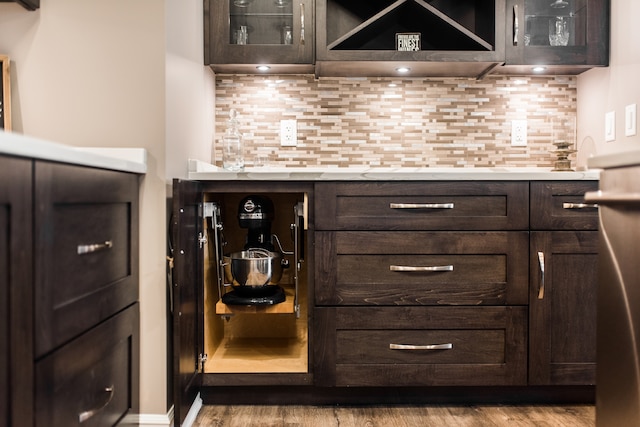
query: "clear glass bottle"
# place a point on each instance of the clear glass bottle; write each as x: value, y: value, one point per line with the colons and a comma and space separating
x: 232, y: 145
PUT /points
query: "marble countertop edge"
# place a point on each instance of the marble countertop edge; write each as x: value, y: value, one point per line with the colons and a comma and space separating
x: 132, y: 160
x: 199, y: 170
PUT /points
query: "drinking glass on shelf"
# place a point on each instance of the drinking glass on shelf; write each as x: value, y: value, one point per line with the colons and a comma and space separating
x: 558, y: 31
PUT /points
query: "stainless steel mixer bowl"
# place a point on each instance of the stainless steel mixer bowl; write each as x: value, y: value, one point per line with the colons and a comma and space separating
x: 253, y: 268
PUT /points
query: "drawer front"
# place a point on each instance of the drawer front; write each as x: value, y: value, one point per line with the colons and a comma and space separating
x: 423, y: 346
x: 560, y: 205
x: 87, y: 244
x: 92, y: 380
x: 421, y: 268
x: 422, y: 206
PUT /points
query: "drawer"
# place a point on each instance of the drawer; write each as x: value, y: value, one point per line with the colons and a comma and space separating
x: 421, y: 268
x: 422, y: 206
x: 86, y: 249
x: 91, y: 380
x: 423, y: 346
x: 560, y: 205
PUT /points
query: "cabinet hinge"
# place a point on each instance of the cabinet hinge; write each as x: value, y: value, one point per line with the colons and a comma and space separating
x: 202, y: 240
x: 202, y: 359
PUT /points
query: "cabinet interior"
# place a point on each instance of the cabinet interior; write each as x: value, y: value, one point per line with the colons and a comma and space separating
x: 256, y: 339
x: 541, y: 14
x: 263, y: 21
x: 444, y: 25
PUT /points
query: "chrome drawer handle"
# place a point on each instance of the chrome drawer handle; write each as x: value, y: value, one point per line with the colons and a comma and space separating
x: 541, y: 265
x: 447, y: 346
x: 95, y: 247
x: 579, y: 205
x: 425, y: 268
x: 421, y: 205
x: 84, y: 416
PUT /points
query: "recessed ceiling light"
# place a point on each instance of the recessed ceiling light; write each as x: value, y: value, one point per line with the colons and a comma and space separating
x: 403, y: 69
x: 539, y: 69
x: 263, y: 68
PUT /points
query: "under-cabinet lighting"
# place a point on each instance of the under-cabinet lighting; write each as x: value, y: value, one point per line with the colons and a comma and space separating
x: 263, y: 68
x: 403, y: 69
x: 538, y: 69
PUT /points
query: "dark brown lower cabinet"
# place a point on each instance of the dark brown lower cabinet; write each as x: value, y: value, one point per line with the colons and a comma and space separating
x: 90, y: 380
x: 16, y: 340
x: 416, y: 292
x: 69, y: 344
x: 562, y: 307
x: 420, y: 346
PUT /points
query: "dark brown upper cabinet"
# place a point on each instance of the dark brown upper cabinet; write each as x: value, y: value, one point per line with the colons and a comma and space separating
x: 359, y: 37
x: 27, y: 4
x: 240, y: 35
x: 563, y: 36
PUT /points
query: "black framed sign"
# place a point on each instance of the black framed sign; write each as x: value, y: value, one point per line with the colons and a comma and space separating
x: 5, y: 94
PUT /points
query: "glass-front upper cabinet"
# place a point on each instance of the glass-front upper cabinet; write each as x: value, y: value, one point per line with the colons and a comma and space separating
x: 241, y: 35
x: 558, y: 33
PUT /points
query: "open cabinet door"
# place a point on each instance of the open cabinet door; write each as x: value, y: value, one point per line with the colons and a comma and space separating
x: 187, y: 295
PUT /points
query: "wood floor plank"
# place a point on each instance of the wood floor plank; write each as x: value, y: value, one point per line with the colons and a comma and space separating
x: 396, y: 416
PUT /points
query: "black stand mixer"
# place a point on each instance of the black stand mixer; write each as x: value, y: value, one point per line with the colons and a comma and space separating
x: 256, y: 213
x: 255, y: 271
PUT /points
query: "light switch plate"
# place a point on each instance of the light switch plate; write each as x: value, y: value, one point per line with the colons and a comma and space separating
x: 610, y: 126
x: 518, y: 133
x: 630, y: 120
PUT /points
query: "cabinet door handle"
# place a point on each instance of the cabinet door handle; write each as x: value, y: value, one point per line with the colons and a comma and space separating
x: 605, y: 198
x: 516, y: 25
x: 84, y: 416
x: 541, y: 265
x: 425, y: 268
x: 421, y: 205
x: 301, y: 23
x: 447, y: 346
x: 579, y: 205
x: 94, y: 247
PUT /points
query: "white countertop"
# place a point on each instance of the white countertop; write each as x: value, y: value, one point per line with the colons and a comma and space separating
x: 203, y: 171
x: 615, y: 160
x: 120, y: 159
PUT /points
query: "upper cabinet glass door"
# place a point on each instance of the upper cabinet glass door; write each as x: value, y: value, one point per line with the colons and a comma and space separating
x: 261, y: 22
x: 563, y: 35
x: 555, y: 23
x: 277, y: 35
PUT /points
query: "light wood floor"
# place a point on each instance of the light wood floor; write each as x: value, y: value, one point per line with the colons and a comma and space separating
x: 396, y: 416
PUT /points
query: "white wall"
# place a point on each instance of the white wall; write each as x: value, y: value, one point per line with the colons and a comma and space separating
x: 190, y: 88
x: 92, y: 73
x: 613, y: 88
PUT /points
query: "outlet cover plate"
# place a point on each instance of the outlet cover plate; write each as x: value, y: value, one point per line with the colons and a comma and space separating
x: 518, y: 133
x: 288, y: 133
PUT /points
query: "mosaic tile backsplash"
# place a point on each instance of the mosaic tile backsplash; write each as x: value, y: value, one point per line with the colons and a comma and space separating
x: 417, y: 122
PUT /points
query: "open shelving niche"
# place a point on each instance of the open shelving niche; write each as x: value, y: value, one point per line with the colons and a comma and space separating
x: 257, y: 339
x: 444, y: 25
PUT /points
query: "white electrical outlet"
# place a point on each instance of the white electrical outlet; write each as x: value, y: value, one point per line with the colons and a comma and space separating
x: 288, y: 133
x: 518, y: 133
x: 630, y: 120
x: 610, y: 126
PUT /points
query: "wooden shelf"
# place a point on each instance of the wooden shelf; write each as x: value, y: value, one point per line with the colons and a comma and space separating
x: 259, y: 355
x: 286, y: 307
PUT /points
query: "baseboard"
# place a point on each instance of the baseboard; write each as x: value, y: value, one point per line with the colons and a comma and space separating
x: 149, y: 420
x: 193, y: 412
